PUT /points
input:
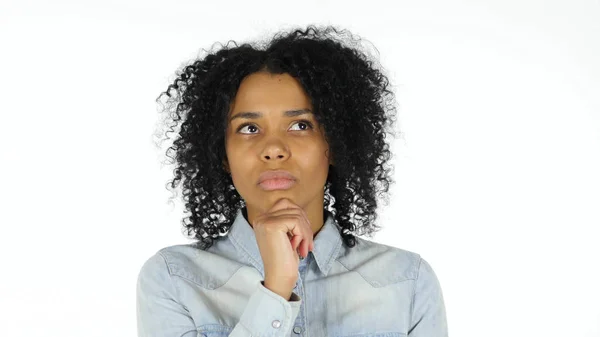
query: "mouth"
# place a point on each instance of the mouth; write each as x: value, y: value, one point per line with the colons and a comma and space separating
x: 277, y: 184
x: 275, y: 174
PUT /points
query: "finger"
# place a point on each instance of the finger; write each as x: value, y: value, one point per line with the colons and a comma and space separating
x: 295, y: 241
x: 294, y: 211
x: 283, y: 203
x: 289, y: 223
x: 289, y: 220
x: 310, y: 235
x: 288, y: 207
x: 306, y: 247
x: 296, y: 254
x: 308, y: 244
x: 297, y: 244
x: 284, y: 211
x: 300, y: 244
x: 285, y: 206
x: 300, y: 248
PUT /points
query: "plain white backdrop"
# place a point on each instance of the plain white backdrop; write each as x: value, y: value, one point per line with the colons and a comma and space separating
x: 497, y: 174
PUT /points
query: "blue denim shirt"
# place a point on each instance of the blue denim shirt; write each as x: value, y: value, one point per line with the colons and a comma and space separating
x: 368, y: 290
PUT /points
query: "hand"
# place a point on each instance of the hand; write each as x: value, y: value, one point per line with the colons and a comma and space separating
x: 282, y: 234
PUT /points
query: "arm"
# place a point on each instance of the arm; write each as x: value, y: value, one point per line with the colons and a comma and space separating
x: 428, y: 312
x: 267, y: 313
x: 160, y: 313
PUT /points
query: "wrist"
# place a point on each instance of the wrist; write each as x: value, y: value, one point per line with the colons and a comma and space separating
x: 281, y: 290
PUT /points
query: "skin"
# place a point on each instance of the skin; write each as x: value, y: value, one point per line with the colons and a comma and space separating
x: 275, y: 141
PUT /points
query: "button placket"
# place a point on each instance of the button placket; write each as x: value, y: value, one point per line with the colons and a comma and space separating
x: 298, y: 289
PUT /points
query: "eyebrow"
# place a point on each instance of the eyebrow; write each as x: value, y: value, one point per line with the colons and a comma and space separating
x: 256, y: 115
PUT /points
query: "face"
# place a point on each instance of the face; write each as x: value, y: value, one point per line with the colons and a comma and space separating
x: 276, y: 136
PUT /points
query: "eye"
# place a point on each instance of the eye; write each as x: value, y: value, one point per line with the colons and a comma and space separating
x: 245, y: 125
x: 303, y: 121
x: 308, y: 124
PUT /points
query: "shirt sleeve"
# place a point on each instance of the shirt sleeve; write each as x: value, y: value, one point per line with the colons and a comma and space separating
x: 428, y: 312
x: 160, y: 313
x: 267, y: 314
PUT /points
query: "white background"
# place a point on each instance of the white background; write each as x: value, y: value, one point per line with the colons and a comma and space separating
x: 497, y: 177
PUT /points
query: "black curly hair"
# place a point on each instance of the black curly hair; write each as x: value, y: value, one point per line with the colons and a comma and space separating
x: 350, y: 97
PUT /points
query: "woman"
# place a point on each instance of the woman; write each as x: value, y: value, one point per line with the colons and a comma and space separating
x: 280, y: 152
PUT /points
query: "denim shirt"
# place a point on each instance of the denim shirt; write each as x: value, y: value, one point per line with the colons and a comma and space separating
x: 369, y: 290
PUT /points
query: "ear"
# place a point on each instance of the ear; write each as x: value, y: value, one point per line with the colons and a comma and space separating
x: 226, y: 166
x: 327, y: 153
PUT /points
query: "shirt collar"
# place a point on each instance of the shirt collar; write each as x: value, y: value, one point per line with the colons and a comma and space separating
x: 327, y: 242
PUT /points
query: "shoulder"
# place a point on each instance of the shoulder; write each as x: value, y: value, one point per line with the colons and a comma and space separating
x: 162, y: 263
x: 190, y: 263
x: 381, y: 264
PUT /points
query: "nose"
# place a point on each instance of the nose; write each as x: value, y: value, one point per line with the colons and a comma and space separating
x: 275, y: 150
x: 280, y: 156
x: 274, y: 155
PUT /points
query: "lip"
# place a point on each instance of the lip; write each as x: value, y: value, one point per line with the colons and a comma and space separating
x: 275, y: 174
x: 276, y: 184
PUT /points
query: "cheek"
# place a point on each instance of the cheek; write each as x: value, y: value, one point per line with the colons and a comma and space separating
x: 315, y: 159
x: 241, y: 164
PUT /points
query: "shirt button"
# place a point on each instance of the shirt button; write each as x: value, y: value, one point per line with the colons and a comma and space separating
x: 297, y: 329
x: 276, y: 324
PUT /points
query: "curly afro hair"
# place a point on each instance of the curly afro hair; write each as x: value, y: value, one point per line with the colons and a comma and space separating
x: 351, y: 99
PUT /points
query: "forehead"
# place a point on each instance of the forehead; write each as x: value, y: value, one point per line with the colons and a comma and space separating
x: 263, y: 91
